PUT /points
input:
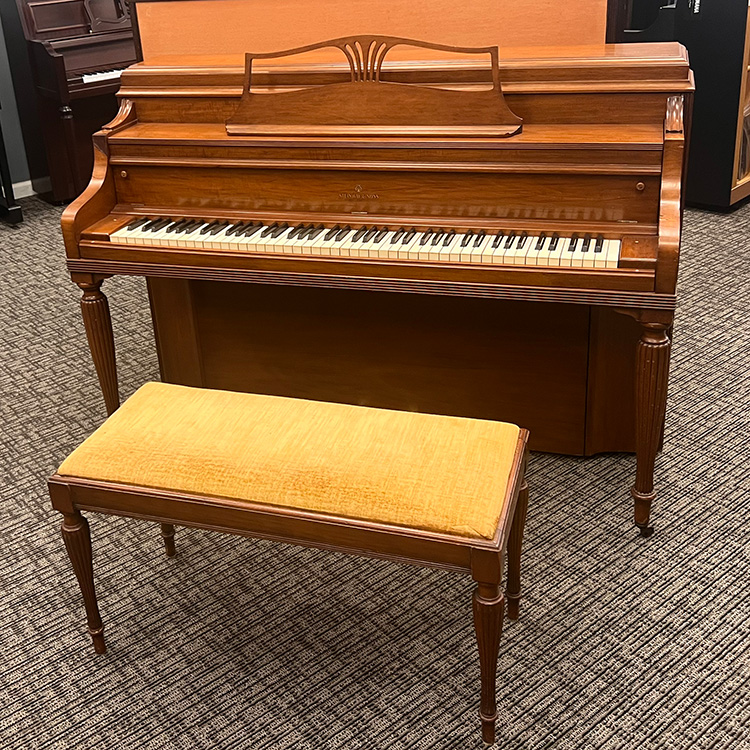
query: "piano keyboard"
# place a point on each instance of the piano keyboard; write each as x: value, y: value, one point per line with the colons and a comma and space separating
x: 404, y: 243
x: 102, y: 75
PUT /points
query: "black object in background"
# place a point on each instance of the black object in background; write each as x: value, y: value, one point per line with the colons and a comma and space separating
x: 9, y: 209
x: 714, y: 32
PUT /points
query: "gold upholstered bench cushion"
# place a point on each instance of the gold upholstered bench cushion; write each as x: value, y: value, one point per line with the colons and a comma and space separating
x: 421, y: 471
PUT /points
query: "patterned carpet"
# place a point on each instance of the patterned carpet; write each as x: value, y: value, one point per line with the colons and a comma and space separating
x: 243, y: 645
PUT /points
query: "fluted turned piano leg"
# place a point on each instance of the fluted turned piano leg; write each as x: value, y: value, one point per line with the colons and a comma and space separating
x: 652, y: 371
x: 98, y: 324
x: 75, y: 532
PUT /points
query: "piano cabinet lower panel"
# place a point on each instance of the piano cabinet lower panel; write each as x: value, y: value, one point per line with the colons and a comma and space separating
x: 565, y: 372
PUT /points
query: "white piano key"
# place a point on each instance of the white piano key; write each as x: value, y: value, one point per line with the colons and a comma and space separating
x: 102, y: 75
x: 613, y: 253
x: 587, y: 252
x: 405, y: 249
x: 543, y: 255
x: 535, y: 248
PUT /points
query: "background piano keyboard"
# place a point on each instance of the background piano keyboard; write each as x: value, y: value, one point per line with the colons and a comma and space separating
x: 102, y: 75
x: 580, y: 250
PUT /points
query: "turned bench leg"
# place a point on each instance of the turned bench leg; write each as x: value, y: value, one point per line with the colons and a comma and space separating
x: 489, y: 608
x: 513, y: 589
x: 75, y: 533
x: 167, y: 534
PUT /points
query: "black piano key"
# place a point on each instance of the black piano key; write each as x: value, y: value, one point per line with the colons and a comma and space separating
x: 510, y: 240
x: 467, y: 238
x: 425, y: 238
x: 409, y: 236
x: 360, y: 233
x: 268, y: 230
x: 176, y: 226
x: 381, y: 235
x: 572, y: 244
x: 138, y: 223
x: 332, y: 233
x: 438, y: 236
x: 208, y: 227
x: 553, y: 242
x: 599, y: 243
x: 370, y: 235
x: 522, y: 240
x: 398, y: 235
x: 343, y: 233
x: 586, y: 243
x: 314, y: 232
x: 498, y: 239
x: 449, y: 237
x: 159, y: 224
x: 540, y: 242
x: 220, y: 226
x: 480, y: 238
x: 252, y: 229
x: 279, y: 230
x: 297, y: 231
x: 193, y: 225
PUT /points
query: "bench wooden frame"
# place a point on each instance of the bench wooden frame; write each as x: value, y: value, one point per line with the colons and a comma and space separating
x: 483, y: 558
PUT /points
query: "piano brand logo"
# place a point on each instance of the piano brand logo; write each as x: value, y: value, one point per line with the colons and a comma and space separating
x: 359, y: 194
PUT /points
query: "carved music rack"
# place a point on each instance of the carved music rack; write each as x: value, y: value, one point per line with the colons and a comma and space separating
x: 368, y: 106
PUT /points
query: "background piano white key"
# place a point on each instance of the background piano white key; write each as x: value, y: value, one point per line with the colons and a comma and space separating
x: 102, y: 75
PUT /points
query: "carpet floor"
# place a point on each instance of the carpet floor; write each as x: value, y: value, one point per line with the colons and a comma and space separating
x: 623, y: 643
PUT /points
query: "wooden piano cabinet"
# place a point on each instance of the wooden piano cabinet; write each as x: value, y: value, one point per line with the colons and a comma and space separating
x: 565, y: 372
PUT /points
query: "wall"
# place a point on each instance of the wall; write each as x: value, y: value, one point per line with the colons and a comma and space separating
x: 14, y: 146
x: 20, y: 119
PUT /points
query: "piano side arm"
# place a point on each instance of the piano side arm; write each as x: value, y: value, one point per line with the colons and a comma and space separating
x: 670, y: 206
x: 51, y: 78
x: 94, y: 203
x: 100, y: 196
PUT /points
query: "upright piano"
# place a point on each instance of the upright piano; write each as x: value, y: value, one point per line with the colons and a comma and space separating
x: 78, y: 48
x: 405, y: 225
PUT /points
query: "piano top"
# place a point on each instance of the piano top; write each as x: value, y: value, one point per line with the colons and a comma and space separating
x: 51, y: 20
x: 596, y: 68
x: 667, y: 59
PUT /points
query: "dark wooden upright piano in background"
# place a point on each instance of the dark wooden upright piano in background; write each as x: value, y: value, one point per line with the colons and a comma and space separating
x: 78, y: 49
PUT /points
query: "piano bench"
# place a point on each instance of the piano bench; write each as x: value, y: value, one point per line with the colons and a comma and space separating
x: 431, y: 490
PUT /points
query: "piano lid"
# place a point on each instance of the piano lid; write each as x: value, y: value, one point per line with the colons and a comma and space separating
x: 50, y: 20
